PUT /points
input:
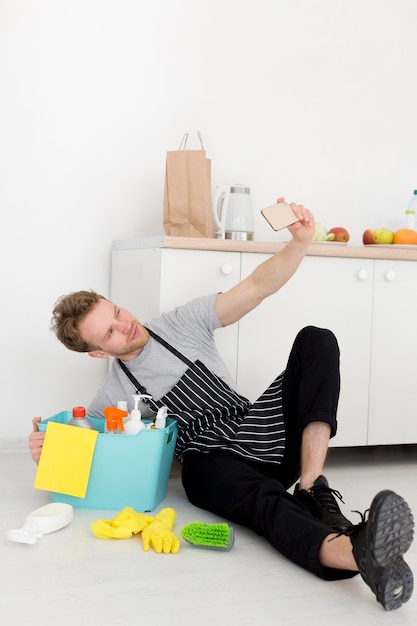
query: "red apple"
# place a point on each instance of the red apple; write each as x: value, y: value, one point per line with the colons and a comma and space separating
x: 340, y: 234
x: 368, y: 236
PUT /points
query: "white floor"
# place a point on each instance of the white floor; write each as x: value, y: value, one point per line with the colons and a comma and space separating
x: 71, y: 577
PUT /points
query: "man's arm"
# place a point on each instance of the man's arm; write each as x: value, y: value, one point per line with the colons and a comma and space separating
x: 270, y: 275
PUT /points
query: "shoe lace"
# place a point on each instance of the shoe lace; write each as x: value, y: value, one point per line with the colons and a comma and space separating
x: 352, y: 531
x: 325, y: 496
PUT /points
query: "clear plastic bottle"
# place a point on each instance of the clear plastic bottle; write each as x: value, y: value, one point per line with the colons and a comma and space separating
x: 122, y: 404
x: 410, y: 214
x: 80, y: 419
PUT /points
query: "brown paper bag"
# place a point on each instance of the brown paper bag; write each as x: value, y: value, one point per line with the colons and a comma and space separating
x: 187, y: 196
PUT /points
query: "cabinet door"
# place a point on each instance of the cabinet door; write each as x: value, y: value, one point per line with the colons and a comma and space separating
x: 393, y: 405
x: 187, y: 274
x: 333, y: 293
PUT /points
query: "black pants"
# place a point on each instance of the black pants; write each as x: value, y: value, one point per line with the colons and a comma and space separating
x: 255, y: 494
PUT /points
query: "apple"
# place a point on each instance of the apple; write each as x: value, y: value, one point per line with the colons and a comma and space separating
x: 340, y: 234
x: 368, y: 236
x: 379, y: 235
x: 383, y: 235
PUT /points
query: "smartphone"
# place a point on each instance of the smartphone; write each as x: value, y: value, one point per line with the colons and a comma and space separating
x: 279, y: 215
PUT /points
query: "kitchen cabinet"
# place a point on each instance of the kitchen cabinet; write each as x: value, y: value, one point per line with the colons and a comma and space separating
x: 392, y: 399
x: 329, y: 293
x: 369, y: 303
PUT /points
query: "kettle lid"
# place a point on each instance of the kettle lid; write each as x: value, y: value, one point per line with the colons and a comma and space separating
x: 237, y: 188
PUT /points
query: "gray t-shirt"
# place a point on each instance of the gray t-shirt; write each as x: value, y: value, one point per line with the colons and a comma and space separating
x: 254, y: 432
x: 189, y: 329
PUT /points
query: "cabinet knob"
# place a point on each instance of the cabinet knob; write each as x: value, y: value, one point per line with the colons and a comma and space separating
x: 390, y: 275
x: 363, y: 274
x: 226, y: 269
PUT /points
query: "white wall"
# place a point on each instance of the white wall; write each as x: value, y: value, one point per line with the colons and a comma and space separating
x: 311, y: 99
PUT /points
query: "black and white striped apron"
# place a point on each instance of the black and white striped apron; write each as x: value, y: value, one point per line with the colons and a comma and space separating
x: 211, y: 415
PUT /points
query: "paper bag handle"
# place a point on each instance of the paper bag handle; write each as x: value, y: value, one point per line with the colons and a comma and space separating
x: 185, y: 138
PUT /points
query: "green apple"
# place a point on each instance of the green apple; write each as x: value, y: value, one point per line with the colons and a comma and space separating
x: 321, y: 233
x: 383, y: 235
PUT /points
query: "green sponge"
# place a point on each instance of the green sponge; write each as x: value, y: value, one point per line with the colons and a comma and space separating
x: 210, y: 536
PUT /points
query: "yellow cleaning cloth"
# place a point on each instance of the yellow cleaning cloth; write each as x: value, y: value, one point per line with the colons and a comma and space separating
x: 66, y: 458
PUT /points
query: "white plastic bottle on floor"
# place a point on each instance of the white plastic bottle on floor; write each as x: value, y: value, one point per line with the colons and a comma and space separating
x: 46, y: 519
x: 411, y: 212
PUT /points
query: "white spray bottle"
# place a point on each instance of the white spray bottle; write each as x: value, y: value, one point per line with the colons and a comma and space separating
x: 46, y: 519
x: 161, y: 418
x: 134, y: 424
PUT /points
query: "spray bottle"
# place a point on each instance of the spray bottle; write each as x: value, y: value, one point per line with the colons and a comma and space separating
x: 114, y: 419
x: 161, y: 418
x: 46, y: 519
x: 134, y: 424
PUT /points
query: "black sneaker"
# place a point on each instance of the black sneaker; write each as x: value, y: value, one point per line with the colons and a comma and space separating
x: 320, y: 501
x: 378, y: 547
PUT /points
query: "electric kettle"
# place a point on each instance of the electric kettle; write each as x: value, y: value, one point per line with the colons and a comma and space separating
x: 233, y: 213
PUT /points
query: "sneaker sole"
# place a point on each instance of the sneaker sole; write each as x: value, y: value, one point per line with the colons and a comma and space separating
x: 390, y: 526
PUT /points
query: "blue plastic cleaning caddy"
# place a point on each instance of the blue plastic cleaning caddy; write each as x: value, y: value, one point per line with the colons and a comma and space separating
x: 126, y: 470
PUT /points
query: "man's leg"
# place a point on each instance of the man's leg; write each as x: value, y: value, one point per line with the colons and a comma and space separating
x: 314, y: 446
x: 244, y: 493
x: 376, y: 546
x: 310, y: 394
x: 311, y: 388
x: 313, y: 489
x: 230, y: 487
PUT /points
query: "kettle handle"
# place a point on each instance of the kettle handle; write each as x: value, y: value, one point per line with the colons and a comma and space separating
x: 221, y: 200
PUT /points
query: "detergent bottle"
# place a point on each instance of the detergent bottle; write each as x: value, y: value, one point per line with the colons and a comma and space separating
x: 79, y: 418
x: 134, y: 424
x: 114, y: 419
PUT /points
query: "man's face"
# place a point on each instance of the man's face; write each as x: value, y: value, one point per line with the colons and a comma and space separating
x: 114, y: 331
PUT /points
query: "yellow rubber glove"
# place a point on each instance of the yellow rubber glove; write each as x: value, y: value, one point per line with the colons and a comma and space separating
x: 129, y: 518
x: 158, y: 534
x: 125, y: 524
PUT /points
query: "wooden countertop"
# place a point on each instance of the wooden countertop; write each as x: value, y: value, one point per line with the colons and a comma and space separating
x: 375, y: 251
x: 392, y: 252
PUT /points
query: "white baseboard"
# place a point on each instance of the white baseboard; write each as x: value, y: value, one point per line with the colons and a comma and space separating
x: 14, y: 444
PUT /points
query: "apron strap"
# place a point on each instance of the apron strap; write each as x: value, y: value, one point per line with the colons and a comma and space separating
x: 140, y: 388
x: 170, y: 348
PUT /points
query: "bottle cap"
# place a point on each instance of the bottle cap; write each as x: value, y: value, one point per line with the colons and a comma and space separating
x: 78, y: 411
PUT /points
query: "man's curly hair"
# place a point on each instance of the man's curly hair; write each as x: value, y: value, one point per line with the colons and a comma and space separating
x: 67, y: 314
